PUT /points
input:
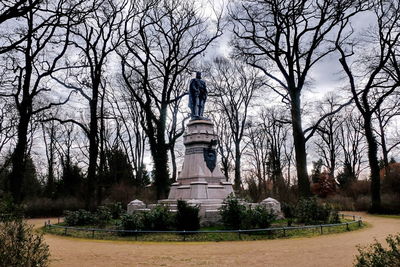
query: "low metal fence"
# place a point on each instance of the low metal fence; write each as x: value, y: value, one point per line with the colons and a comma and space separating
x: 284, y: 230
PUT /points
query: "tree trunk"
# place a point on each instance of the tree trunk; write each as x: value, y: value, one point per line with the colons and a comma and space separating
x: 93, y: 153
x: 18, y: 158
x: 299, y: 145
x: 159, y: 153
x: 173, y: 163
x: 374, y: 165
x: 383, y: 143
x: 238, y: 181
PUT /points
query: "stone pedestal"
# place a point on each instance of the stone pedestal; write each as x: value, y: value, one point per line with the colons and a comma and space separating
x: 200, y: 182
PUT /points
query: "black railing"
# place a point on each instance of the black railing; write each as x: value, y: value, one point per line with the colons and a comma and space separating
x: 284, y: 230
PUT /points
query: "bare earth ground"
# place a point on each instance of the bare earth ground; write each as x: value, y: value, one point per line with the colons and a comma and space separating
x: 329, y: 250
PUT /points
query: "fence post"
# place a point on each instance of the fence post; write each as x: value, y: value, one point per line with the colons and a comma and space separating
x: 359, y: 223
x: 347, y: 227
x: 240, y: 237
x: 136, y: 234
x: 65, y: 231
x: 92, y: 233
x: 354, y: 217
x: 184, y: 235
x: 322, y: 232
x: 284, y: 231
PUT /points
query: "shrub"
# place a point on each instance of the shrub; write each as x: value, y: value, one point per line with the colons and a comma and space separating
x: 131, y: 222
x: 159, y: 218
x: 232, y: 213
x: 260, y: 217
x: 9, y: 210
x: 375, y: 255
x: 187, y: 217
x: 309, y: 211
x: 103, y: 216
x: 79, y: 217
x: 116, y: 210
x: 20, y: 246
x: 289, y: 212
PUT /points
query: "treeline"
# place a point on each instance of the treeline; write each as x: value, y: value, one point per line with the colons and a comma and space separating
x: 88, y: 88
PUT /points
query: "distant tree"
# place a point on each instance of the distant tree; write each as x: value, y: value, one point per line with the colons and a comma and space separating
x: 328, y: 133
x: 236, y: 85
x: 352, y: 143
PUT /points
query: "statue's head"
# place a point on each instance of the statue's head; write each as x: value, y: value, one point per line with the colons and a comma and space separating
x: 198, y: 75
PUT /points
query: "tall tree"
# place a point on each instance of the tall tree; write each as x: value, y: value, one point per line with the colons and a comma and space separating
x: 285, y: 39
x: 47, y: 30
x: 93, y: 40
x: 162, y: 40
x: 375, y: 78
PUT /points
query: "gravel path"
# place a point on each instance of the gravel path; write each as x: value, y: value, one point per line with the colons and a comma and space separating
x: 329, y: 250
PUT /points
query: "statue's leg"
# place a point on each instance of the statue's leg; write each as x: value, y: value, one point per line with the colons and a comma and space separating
x: 197, y: 107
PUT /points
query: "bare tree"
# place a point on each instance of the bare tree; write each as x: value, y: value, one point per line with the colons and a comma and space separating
x: 328, y: 131
x: 94, y: 40
x: 385, y: 115
x: 285, y: 39
x: 353, y: 147
x: 235, y: 85
x: 162, y: 40
x: 129, y: 132
x: 32, y: 62
x: 9, y: 11
x: 225, y: 144
x: 377, y: 75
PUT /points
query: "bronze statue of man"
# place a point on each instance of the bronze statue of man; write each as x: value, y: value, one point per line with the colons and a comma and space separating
x: 197, y: 96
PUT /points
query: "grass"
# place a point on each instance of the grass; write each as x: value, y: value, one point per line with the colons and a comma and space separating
x: 216, y: 237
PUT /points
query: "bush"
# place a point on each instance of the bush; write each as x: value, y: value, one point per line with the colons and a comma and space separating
x: 260, y: 217
x: 232, y: 213
x: 131, y: 222
x: 79, y: 217
x: 103, y: 216
x: 20, y: 246
x: 187, y: 217
x: 375, y: 255
x: 116, y: 210
x: 309, y: 211
x: 235, y: 215
x: 9, y: 210
x: 159, y: 218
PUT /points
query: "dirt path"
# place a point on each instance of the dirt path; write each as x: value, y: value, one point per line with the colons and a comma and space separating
x: 330, y: 250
